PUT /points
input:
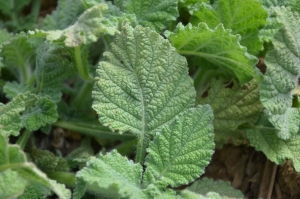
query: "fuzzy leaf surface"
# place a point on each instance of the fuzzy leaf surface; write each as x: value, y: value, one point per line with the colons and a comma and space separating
x: 15, y: 182
x: 89, y: 26
x: 143, y: 84
x: 53, y: 67
x: 217, y: 46
x: 155, y: 14
x: 114, y: 175
x: 18, y: 56
x: 181, y: 151
x: 244, y: 18
x: 223, y: 188
x: 11, y: 157
x: 283, y: 69
x: 66, y: 14
x: 10, y: 119
x: 233, y: 106
x: 39, y: 112
x: 264, y: 139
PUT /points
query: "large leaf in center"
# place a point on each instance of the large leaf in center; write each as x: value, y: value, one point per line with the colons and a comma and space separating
x: 143, y: 84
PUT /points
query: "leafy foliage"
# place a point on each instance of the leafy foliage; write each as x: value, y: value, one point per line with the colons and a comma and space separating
x: 234, y: 105
x: 282, y: 75
x: 174, y: 155
x: 244, y: 18
x: 15, y: 166
x: 176, y: 93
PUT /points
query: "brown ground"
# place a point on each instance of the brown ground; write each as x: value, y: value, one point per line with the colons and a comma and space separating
x: 250, y: 171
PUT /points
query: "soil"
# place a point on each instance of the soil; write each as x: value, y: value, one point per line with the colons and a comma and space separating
x: 251, y: 172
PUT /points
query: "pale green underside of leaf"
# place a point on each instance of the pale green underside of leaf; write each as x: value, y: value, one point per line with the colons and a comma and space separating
x: 10, y: 120
x: 113, y: 175
x: 244, y: 18
x: 94, y: 22
x: 223, y: 188
x: 143, y: 84
x: 233, y: 106
x: 182, y: 150
x: 264, y: 139
x: 11, y: 184
x: 66, y: 14
x: 217, y: 46
x: 293, y: 4
x: 11, y: 157
x: 283, y: 68
x: 155, y: 14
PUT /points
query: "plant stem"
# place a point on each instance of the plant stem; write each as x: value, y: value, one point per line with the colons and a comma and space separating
x: 82, y: 68
x: 22, y: 141
x: 67, y: 178
x: 94, y: 130
x: 142, y: 145
x: 84, y: 94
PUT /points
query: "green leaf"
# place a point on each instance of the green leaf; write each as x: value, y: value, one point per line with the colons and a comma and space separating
x: 293, y: 4
x: 263, y: 137
x: 35, y: 191
x: 53, y: 67
x: 12, y: 89
x: 114, y: 176
x: 10, y: 120
x: 215, y: 48
x: 233, y: 106
x: 142, y: 85
x: 182, y: 150
x: 282, y: 75
x: 156, y: 14
x: 12, y: 158
x: 66, y: 14
x: 242, y: 18
x: 47, y: 161
x: 89, y: 26
x: 7, y: 7
x: 224, y: 189
x: 18, y: 56
x: 40, y: 111
x: 11, y: 184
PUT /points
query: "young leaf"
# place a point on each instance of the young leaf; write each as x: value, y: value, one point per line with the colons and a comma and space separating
x: 40, y: 111
x: 155, y: 14
x: 244, y: 18
x: 181, y: 151
x: 89, y: 26
x: 216, y: 46
x: 18, y: 56
x: 233, y: 106
x: 35, y: 191
x: 264, y: 139
x: 66, y: 13
x: 283, y: 69
x: 10, y: 120
x: 142, y: 85
x: 12, y: 158
x: 53, y: 67
x: 114, y: 176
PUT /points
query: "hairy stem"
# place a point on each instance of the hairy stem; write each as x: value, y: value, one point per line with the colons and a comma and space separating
x: 81, y: 67
x: 94, y: 130
x: 22, y: 141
